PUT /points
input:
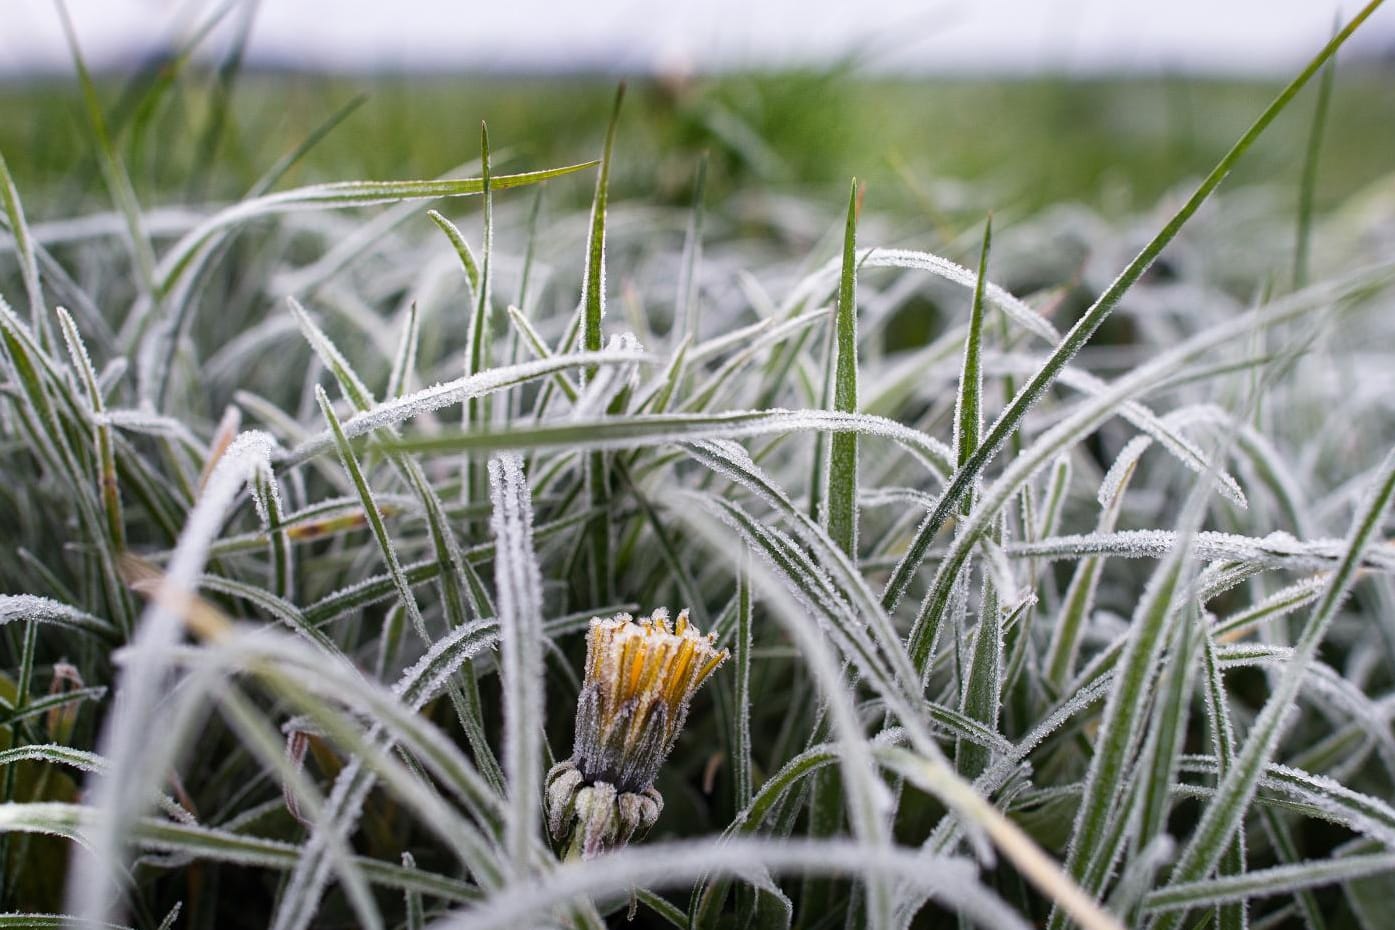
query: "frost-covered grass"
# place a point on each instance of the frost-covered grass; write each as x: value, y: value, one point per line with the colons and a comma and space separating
x: 1078, y: 611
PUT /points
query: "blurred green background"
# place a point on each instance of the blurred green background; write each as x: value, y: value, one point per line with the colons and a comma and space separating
x: 1114, y: 144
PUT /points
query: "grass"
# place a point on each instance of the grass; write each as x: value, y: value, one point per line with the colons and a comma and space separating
x: 1053, y: 554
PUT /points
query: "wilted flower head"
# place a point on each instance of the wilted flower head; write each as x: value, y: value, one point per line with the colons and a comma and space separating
x: 640, y: 678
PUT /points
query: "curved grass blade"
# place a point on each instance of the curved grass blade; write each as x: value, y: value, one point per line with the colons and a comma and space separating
x: 214, y: 845
x: 337, y: 195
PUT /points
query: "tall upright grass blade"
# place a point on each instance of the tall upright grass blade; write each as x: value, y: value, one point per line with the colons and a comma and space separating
x: 685, y: 316
x: 841, y: 496
x: 404, y: 361
x: 373, y: 514
x: 518, y: 585
x: 593, y: 311
x: 24, y: 250
x: 983, y: 683
x: 110, y: 491
x: 968, y: 403
x: 476, y: 411
x: 1307, y: 184
x: 113, y: 169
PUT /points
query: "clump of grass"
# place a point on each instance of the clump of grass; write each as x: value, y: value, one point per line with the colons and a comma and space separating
x: 310, y: 505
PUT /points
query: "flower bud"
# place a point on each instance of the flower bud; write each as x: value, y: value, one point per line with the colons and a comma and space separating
x: 640, y: 678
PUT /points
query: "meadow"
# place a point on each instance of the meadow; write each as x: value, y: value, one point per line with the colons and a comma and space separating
x: 1019, y: 453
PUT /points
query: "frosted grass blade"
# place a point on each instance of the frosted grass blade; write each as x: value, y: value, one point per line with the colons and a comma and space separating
x: 518, y: 583
x: 337, y: 195
x: 118, y: 796
x: 840, y: 516
x: 593, y: 297
x: 24, y: 249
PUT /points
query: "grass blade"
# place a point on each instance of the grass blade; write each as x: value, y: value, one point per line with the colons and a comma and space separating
x: 24, y: 249
x: 593, y: 310
x: 840, y: 515
x: 518, y: 583
x: 334, y: 196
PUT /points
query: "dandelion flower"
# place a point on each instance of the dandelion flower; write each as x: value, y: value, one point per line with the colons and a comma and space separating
x: 640, y: 678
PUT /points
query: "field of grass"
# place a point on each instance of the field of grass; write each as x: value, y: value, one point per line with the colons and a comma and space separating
x: 1046, y: 555
x: 1114, y: 144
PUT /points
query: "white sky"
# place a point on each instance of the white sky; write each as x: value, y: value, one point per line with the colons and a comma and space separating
x: 634, y: 36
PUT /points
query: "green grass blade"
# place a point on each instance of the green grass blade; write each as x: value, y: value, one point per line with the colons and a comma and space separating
x: 393, y: 412
x: 24, y: 250
x: 685, y: 318
x: 1232, y: 915
x: 1307, y: 185
x: 841, y: 497
x: 267, y: 492
x: 593, y: 310
x: 593, y: 285
x: 110, y: 491
x: 541, y: 350
x: 15, y: 608
x: 742, y: 654
x: 476, y: 410
x: 1282, y: 839
x: 968, y: 404
x: 317, y: 135
x: 657, y: 429
x: 114, y: 173
x: 982, y: 687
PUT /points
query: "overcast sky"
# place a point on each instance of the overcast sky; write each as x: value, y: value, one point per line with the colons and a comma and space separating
x: 634, y: 36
